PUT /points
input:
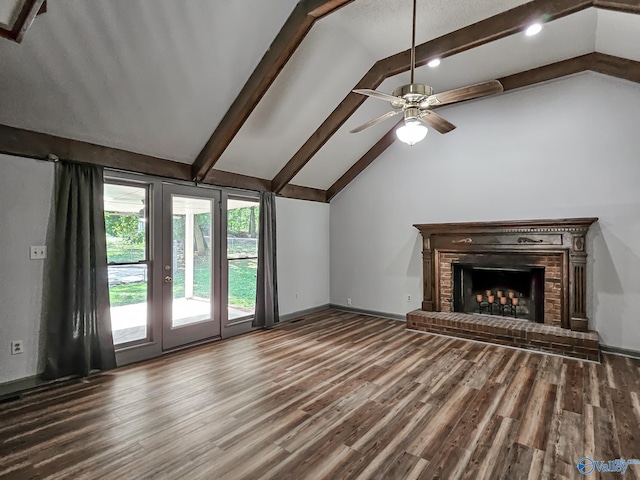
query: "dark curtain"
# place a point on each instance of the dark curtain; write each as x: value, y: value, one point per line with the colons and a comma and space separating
x: 76, y: 302
x: 267, y: 289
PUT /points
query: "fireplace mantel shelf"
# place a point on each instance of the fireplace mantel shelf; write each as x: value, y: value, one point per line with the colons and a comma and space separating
x: 572, y: 225
x: 558, y: 244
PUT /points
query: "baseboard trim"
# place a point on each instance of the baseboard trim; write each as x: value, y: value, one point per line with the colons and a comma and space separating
x: 623, y: 352
x: 373, y: 313
x: 303, y: 313
x: 12, y: 389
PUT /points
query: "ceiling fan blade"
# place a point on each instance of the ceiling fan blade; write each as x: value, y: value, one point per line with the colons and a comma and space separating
x: 376, y: 120
x: 464, y: 93
x: 375, y: 94
x: 436, y: 121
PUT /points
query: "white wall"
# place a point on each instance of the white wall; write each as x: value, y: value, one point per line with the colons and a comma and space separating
x: 569, y: 148
x: 303, y: 254
x: 25, y: 200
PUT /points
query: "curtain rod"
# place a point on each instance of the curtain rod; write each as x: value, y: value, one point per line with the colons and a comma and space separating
x: 51, y: 157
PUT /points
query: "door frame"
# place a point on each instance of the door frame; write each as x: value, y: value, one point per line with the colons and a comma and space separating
x: 175, y: 338
x: 231, y: 328
x: 153, y: 347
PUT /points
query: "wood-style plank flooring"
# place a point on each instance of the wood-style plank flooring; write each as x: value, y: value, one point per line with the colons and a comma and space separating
x: 337, y: 396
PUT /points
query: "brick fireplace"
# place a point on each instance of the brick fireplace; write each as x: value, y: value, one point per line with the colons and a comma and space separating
x: 542, y: 263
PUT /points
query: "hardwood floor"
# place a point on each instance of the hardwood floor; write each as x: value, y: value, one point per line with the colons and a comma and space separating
x: 337, y: 396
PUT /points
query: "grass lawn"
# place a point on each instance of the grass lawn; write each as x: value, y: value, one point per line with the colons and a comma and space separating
x: 242, y: 286
x: 128, y: 294
x: 124, y: 253
x: 242, y: 283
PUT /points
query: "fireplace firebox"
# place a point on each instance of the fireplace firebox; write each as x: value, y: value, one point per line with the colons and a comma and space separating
x: 515, y: 291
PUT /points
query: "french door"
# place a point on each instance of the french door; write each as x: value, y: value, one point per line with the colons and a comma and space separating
x: 191, y: 265
x: 182, y: 263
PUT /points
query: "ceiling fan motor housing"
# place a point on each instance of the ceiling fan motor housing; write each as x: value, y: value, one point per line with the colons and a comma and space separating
x: 411, y: 93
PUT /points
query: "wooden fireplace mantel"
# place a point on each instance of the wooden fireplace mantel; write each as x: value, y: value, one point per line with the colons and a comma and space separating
x: 525, y: 238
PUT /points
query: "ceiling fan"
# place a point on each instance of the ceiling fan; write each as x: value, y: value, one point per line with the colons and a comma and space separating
x: 416, y: 100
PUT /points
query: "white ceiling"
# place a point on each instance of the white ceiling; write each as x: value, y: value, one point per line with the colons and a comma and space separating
x: 157, y: 76
x: 384, y: 27
x: 149, y: 76
x: 565, y: 38
x: 618, y: 34
x: 124, y: 198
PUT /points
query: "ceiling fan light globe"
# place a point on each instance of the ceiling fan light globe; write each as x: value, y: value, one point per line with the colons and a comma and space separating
x: 411, y: 133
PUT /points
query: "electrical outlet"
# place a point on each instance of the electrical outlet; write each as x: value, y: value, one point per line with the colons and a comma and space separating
x: 297, y: 295
x: 349, y: 301
x: 38, y: 252
x: 408, y: 297
x: 17, y: 347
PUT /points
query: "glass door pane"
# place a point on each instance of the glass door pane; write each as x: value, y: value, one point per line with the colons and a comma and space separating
x: 191, y: 244
x: 191, y: 255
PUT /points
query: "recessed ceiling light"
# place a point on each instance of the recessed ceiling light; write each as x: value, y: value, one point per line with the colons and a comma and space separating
x: 434, y: 63
x: 533, y: 29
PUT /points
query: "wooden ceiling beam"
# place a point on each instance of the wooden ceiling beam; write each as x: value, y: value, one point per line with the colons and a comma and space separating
x: 304, y: 193
x: 37, y: 145
x: 366, y: 160
x: 26, y: 143
x: 485, y: 31
x: 547, y: 72
x: 480, y: 33
x: 616, y: 67
x: 626, y: 6
x: 236, y: 180
x: 597, y: 62
x: 30, y: 9
x: 330, y: 126
x: 299, y: 23
x: 321, y: 8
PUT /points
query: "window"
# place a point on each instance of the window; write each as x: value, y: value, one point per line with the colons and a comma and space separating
x: 125, y: 216
x: 243, y: 216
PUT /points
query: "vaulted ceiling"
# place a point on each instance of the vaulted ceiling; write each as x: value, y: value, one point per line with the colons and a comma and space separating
x: 260, y: 91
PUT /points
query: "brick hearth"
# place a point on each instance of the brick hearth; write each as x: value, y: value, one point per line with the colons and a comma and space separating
x: 505, y: 331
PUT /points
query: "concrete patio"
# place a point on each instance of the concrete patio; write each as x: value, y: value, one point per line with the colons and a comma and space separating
x: 129, y: 322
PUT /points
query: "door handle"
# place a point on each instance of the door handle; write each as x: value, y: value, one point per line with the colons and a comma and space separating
x: 167, y: 279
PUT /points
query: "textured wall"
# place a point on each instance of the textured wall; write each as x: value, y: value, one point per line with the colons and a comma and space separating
x: 25, y: 200
x: 303, y: 254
